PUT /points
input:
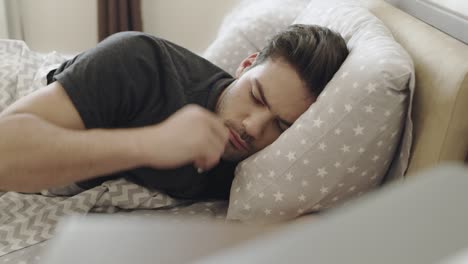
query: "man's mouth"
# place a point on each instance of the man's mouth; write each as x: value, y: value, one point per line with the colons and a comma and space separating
x: 237, y: 142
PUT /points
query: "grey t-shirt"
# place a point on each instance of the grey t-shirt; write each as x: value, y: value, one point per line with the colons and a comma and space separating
x: 134, y: 79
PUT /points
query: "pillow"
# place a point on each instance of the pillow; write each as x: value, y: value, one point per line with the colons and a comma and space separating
x: 345, y: 143
x: 247, y: 29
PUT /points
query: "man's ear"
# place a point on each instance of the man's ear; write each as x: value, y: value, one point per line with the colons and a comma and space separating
x: 246, y: 63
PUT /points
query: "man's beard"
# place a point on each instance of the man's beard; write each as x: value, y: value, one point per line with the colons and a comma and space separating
x: 233, y: 154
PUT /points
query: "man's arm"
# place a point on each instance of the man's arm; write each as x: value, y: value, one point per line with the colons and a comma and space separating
x: 36, y: 154
x: 43, y: 143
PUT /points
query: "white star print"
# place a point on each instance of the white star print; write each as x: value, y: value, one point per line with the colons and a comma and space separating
x: 265, y: 156
x: 261, y: 195
x: 344, y: 74
x: 373, y: 177
x: 303, y: 142
x: 281, y: 213
x: 259, y: 175
x: 238, y: 189
x: 361, y: 150
x: 322, y: 146
x: 304, y: 183
x: 278, y: 196
x: 300, y: 211
x: 331, y: 110
x: 337, y: 164
x: 247, y: 207
x: 371, y: 88
x: 291, y: 156
x: 337, y: 131
x: 369, y: 109
x: 336, y: 198
x: 299, y: 126
x: 352, y: 188
x: 235, y: 202
x: 383, y: 128
x: 387, y: 113
x: 249, y: 185
x: 289, y: 176
x: 324, y: 190
x: 380, y: 143
x: 317, y: 207
x: 394, y: 134
x: 267, y: 212
x: 364, y: 173
x: 348, y: 108
x: 278, y: 152
x: 352, y: 169
x: 302, y: 197
x: 317, y: 122
x: 340, y: 184
x: 306, y: 161
x: 375, y: 158
x: 322, y: 172
x: 358, y: 130
x: 345, y: 148
x: 272, y: 174
x: 355, y: 85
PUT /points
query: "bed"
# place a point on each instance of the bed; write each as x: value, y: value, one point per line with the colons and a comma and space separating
x: 27, y: 222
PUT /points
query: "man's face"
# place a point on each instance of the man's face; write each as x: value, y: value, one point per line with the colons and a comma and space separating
x: 263, y: 102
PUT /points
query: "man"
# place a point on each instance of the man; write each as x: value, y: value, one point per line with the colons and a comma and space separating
x: 143, y: 108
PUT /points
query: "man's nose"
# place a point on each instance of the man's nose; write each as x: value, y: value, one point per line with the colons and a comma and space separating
x: 256, y: 123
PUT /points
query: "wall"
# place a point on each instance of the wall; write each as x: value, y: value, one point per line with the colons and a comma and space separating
x: 449, y: 16
x: 63, y: 25
x: 457, y: 6
x: 3, y: 20
x: 70, y: 26
x: 192, y: 24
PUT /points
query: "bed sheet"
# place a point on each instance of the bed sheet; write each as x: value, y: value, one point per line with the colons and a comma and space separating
x: 28, y: 221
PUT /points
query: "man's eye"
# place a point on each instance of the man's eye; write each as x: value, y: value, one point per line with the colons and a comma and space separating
x: 281, y: 127
x: 255, y: 98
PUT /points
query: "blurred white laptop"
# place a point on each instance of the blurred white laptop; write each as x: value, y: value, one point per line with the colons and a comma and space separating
x: 424, y: 220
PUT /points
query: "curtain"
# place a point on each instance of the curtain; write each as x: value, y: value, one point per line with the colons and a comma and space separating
x: 118, y: 15
x: 11, y: 23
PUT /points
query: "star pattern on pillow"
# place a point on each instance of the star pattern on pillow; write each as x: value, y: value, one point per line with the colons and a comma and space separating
x: 342, y: 146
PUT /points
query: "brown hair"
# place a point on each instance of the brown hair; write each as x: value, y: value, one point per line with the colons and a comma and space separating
x: 315, y: 52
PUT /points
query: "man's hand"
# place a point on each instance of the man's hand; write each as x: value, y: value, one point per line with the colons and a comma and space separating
x: 191, y: 135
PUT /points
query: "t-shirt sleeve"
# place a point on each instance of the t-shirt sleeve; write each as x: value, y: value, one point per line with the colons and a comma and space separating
x: 111, y: 83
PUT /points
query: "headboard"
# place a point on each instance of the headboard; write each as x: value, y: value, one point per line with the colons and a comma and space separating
x: 440, y: 107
